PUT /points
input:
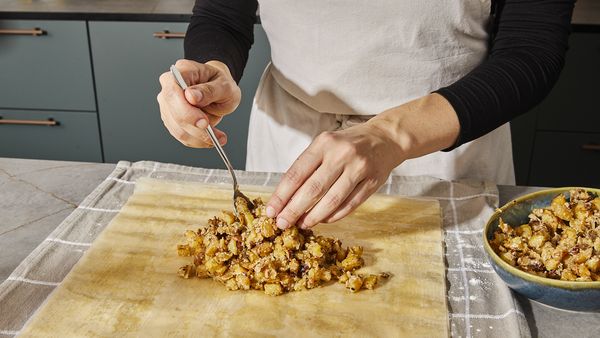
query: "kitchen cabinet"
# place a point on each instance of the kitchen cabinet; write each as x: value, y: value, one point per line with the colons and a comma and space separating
x: 573, y: 103
x: 556, y: 144
x: 45, y: 65
x: 128, y: 59
x: 572, y: 158
x: 56, y: 135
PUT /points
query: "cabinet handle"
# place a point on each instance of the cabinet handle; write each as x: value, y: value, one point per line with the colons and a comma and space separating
x: 48, y: 122
x: 591, y: 147
x: 168, y: 35
x: 32, y: 32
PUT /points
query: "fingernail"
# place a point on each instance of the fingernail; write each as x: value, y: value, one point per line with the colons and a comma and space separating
x: 270, y: 211
x: 201, y: 124
x: 282, y: 223
x: 306, y: 226
x: 222, y: 140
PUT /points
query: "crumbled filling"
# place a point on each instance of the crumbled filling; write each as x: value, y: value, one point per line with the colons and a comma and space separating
x: 250, y: 252
x: 561, y: 241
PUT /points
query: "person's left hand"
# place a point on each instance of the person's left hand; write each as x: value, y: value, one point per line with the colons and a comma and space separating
x: 333, y: 176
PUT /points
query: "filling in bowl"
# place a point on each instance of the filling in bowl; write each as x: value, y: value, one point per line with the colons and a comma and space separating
x: 560, y: 241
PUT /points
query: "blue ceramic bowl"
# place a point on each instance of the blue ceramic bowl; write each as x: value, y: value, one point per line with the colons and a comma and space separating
x: 575, y: 296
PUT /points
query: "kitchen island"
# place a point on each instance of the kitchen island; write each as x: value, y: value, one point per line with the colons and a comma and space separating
x: 36, y: 195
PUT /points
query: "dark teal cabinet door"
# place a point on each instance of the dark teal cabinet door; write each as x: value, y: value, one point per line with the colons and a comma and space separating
x: 45, y: 65
x: 69, y: 136
x: 128, y: 60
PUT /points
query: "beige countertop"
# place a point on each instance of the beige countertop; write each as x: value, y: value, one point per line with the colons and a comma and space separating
x: 587, y: 12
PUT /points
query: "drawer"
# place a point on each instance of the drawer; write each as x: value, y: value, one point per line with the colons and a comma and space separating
x: 572, y: 104
x: 566, y: 159
x: 45, y: 65
x: 69, y: 136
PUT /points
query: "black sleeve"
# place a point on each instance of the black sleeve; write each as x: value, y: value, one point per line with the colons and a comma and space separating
x: 526, y: 57
x: 222, y: 30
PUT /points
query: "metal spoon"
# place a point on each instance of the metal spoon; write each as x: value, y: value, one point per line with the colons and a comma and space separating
x: 239, y: 199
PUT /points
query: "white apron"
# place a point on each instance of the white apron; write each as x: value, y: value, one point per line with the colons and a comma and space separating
x: 336, y: 63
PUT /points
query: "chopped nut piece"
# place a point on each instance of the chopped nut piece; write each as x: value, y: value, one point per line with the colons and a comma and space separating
x: 243, y: 282
x: 537, y: 241
x: 593, y: 264
x: 228, y: 217
x: 370, y: 281
x: 201, y: 271
x: 233, y: 246
x: 292, y: 239
x: 315, y: 249
x: 344, y: 277
x: 354, y: 283
x: 551, y: 264
x: 184, y: 250
x: 273, y: 289
x: 267, y: 227
x: 524, y: 231
x: 185, y: 271
x: 294, y: 266
x: 561, y: 209
x: 353, y: 260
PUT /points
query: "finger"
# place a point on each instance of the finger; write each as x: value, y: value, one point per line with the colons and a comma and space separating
x: 363, y: 190
x: 221, y: 137
x: 295, y: 176
x: 180, y: 134
x: 202, y: 124
x: 216, y: 97
x: 195, y: 72
x: 332, y: 200
x: 208, y: 88
x: 315, y: 187
x: 201, y: 141
x: 214, y: 120
x: 187, y: 116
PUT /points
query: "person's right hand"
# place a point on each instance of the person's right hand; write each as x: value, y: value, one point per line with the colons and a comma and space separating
x: 211, y: 94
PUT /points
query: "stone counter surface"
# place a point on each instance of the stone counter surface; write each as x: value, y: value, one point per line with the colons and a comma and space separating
x: 587, y: 12
x: 37, y: 195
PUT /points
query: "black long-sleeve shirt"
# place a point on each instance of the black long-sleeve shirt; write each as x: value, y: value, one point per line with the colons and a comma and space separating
x: 528, y: 47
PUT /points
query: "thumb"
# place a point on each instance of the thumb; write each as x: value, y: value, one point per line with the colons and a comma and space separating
x: 194, y: 96
x: 202, y: 95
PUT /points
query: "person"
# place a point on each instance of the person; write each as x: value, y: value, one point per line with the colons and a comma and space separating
x: 358, y: 90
